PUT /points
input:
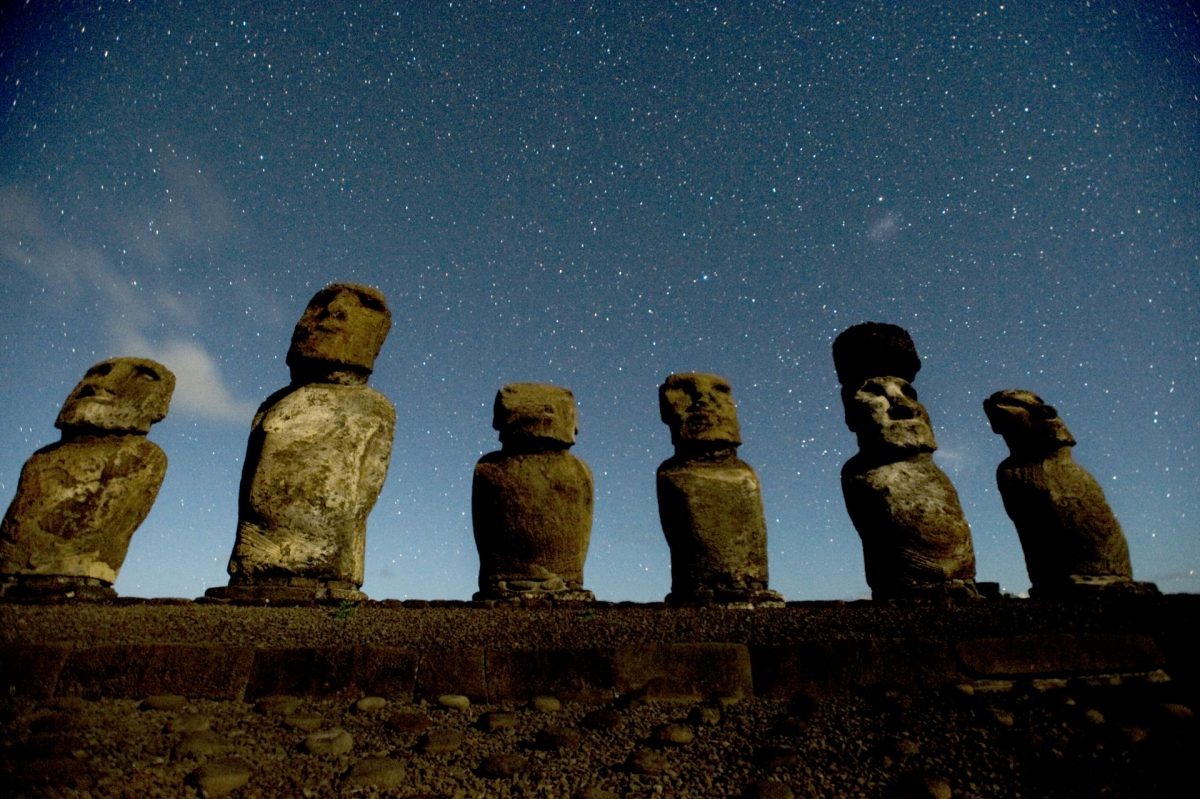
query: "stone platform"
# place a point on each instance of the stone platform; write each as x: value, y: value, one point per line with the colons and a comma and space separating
x: 409, y: 651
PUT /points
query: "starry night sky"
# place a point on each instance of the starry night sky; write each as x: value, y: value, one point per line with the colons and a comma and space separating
x: 597, y: 197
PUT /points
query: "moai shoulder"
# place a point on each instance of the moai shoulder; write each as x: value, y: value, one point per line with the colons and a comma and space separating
x: 79, y: 501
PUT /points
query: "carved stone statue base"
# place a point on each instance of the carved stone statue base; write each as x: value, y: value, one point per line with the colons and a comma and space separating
x: 1082, y: 586
x: 53, y: 587
x: 289, y: 589
x: 534, y: 597
x: 726, y: 598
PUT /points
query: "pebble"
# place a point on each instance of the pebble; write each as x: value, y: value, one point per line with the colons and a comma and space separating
x: 189, y: 722
x: 705, y: 716
x: 454, y: 702
x: 329, y: 742
x: 376, y: 772
x: 1094, y: 717
x: 674, y: 735
x: 1176, y: 711
x: 407, y: 721
x: 1003, y: 717
x: 497, y: 720
x: 370, y: 704
x: 204, y: 743
x: 505, y: 764
x: 440, y: 742
x: 605, y: 718
x: 594, y: 792
x: 279, y: 705
x: 163, y: 702
x: 557, y: 739
x: 545, y: 704
x: 308, y: 722
x: 767, y: 789
x: 647, y: 761
x: 222, y: 776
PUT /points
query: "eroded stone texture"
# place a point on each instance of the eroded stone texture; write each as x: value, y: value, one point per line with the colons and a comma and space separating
x: 1072, y: 541
x: 79, y: 501
x: 915, y: 538
x: 531, y: 502
x: 709, y: 500
x: 316, y: 459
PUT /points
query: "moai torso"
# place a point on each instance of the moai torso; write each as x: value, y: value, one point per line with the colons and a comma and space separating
x: 709, y: 500
x: 916, y: 541
x: 316, y: 459
x: 1072, y: 542
x: 531, y: 502
x: 79, y: 501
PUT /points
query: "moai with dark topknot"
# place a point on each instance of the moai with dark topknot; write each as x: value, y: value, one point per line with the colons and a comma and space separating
x: 915, y: 539
x: 709, y: 500
x: 1073, y: 543
x: 316, y: 458
x: 531, y: 502
x: 80, y: 500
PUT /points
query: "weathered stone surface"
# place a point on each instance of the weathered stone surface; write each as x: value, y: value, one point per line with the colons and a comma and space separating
x: 915, y: 538
x: 120, y: 670
x: 531, y: 502
x: 31, y: 671
x: 683, y: 672
x: 329, y: 670
x: 536, y: 415
x: 1071, y: 539
x: 316, y: 458
x: 1024, y: 655
x: 699, y: 407
x: 502, y: 765
x: 382, y: 773
x: 821, y: 666
x: 709, y: 500
x: 329, y: 742
x: 584, y: 675
x: 874, y: 349
x: 440, y: 742
x: 79, y: 501
x: 222, y: 776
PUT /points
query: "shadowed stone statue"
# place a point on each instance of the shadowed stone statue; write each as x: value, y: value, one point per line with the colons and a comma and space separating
x: 1073, y: 543
x: 915, y: 539
x: 80, y: 500
x: 709, y: 500
x: 531, y: 502
x: 316, y: 458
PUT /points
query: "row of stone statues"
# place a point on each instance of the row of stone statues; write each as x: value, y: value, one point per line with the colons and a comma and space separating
x: 319, y: 449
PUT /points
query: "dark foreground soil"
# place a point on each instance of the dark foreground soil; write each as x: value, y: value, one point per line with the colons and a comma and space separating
x: 1094, y: 735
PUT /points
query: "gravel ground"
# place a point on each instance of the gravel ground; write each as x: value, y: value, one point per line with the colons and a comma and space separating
x: 1104, y: 737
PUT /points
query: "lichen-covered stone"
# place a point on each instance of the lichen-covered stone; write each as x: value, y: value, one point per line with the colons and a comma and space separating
x: 915, y: 538
x: 316, y: 459
x: 1071, y: 538
x: 709, y: 500
x: 79, y: 501
x: 531, y: 502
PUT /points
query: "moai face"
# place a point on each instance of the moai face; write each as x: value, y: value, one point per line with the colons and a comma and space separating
x: 120, y: 395
x: 1027, y: 423
x: 699, y: 408
x: 885, y: 415
x: 343, y: 326
x: 535, y: 414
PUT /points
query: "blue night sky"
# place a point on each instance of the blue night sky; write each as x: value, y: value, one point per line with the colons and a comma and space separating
x: 597, y: 196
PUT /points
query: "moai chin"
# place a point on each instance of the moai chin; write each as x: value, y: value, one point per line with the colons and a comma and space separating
x: 915, y: 539
x: 709, y: 500
x: 1073, y: 543
x: 531, y: 502
x: 316, y: 458
x: 79, y: 501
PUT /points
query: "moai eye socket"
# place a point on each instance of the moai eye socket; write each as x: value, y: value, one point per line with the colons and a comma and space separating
x: 100, y: 370
x: 146, y: 373
x: 908, y: 391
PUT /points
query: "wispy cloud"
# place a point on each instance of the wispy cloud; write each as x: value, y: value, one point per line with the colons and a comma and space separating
x: 82, y: 275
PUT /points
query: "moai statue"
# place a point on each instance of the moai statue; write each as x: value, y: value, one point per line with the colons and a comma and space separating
x: 709, y: 500
x: 915, y: 539
x: 531, y: 502
x: 80, y: 500
x: 1072, y: 541
x: 316, y: 459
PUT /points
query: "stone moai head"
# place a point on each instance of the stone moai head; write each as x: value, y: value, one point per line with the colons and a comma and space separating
x: 699, y: 410
x: 1029, y: 426
x: 342, y: 329
x: 120, y: 395
x: 887, y: 417
x: 535, y: 416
